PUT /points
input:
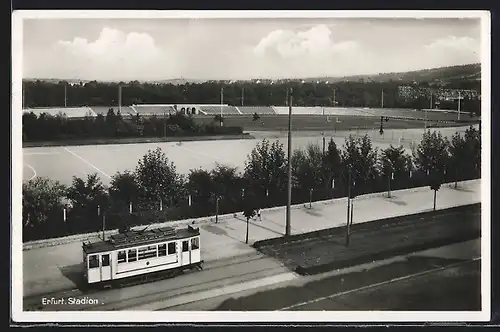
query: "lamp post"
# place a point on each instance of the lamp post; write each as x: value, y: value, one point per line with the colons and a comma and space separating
x: 103, y: 222
x: 348, y: 207
x: 103, y: 226
x: 165, y: 125
x: 324, y: 143
x: 246, y: 236
x: 289, y: 169
x: 221, y: 105
x: 352, y: 213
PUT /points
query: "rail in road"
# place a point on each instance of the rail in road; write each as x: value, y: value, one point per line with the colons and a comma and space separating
x: 236, y: 270
x: 451, y: 287
x: 393, y: 284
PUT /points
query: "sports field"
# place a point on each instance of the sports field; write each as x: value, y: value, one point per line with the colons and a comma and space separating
x: 62, y: 163
x: 339, y: 120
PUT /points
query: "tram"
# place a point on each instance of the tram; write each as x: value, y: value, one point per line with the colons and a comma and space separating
x: 141, y: 253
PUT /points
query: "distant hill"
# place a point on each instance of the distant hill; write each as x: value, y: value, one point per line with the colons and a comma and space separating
x: 464, y: 74
x: 442, y: 75
x: 175, y: 81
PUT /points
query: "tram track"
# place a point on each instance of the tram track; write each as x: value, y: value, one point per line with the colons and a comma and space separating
x: 357, y: 296
x: 232, y: 268
x: 206, y: 286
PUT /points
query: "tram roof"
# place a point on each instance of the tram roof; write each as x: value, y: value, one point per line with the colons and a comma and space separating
x: 136, y: 238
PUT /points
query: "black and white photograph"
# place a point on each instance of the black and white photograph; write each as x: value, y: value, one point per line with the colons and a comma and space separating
x: 239, y: 166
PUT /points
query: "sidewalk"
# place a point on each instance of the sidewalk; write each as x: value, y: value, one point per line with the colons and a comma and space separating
x: 53, y: 267
x: 333, y: 214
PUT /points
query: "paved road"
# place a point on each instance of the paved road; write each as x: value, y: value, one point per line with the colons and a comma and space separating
x: 419, y: 281
x: 56, y: 268
x: 456, y: 288
x: 236, y: 270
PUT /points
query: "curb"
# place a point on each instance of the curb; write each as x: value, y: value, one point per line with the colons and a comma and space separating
x: 202, y: 220
x: 379, y: 223
x: 342, y: 264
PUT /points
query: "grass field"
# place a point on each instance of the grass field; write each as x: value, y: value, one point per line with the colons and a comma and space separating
x: 332, y: 122
x: 62, y: 163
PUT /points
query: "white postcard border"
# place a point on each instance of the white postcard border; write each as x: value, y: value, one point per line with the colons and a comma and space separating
x: 18, y: 315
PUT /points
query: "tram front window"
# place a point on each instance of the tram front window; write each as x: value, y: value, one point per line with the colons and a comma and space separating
x: 195, y: 243
x: 105, y: 260
x: 93, y: 262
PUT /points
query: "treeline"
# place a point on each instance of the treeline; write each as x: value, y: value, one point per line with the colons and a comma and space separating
x: 156, y: 192
x: 55, y: 128
x: 344, y: 94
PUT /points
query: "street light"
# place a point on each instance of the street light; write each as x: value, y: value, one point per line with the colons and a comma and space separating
x: 165, y: 126
x: 103, y: 222
x: 324, y: 143
x: 289, y: 168
x: 348, y: 207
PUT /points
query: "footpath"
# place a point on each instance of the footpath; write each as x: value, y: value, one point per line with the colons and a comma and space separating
x: 54, y: 267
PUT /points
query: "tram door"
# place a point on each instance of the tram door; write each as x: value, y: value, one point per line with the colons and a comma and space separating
x: 105, y: 267
x: 186, y: 252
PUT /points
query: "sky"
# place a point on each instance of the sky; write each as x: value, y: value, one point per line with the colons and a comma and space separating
x: 233, y: 49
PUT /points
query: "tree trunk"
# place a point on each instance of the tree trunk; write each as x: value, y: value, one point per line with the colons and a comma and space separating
x: 348, y: 221
x: 435, y: 192
x: 246, y: 238
x: 352, y: 212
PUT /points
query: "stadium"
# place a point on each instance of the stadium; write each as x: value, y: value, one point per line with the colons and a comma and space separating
x: 272, y: 118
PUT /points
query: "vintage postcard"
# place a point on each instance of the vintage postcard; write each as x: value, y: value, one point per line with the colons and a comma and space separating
x: 242, y: 166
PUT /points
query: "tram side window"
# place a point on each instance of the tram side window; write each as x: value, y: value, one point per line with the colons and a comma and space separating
x: 93, y: 262
x: 147, y: 252
x: 195, y: 243
x: 122, y: 256
x: 132, y: 255
x: 105, y: 260
x: 171, y: 248
x: 162, y: 249
x: 185, y: 246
